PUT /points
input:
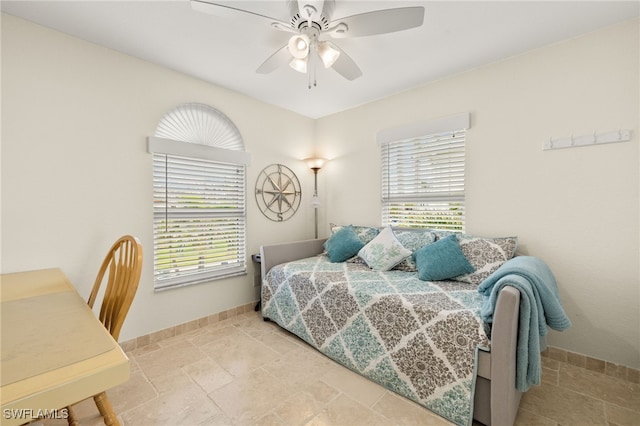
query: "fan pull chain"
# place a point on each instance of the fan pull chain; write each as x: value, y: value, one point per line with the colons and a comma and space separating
x: 315, y: 81
x: 312, y: 71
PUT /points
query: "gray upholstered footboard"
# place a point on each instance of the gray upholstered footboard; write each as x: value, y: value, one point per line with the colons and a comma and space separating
x: 496, y: 397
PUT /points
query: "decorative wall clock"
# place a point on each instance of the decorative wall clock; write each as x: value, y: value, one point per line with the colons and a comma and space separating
x: 278, y: 192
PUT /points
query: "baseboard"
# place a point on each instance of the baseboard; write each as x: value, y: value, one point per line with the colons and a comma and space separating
x: 600, y: 366
x: 156, y: 336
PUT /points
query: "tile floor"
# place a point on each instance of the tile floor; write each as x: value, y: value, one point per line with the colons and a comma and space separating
x: 244, y: 371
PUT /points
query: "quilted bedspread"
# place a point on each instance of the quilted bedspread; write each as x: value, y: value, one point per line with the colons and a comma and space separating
x: 416, y: 338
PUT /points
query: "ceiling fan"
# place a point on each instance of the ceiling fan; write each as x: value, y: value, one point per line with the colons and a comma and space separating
x: 311, y: 22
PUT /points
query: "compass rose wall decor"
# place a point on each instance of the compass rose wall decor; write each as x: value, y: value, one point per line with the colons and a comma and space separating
x: 278, y: 192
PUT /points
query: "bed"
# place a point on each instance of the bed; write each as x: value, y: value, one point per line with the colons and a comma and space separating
x: 384, y: 326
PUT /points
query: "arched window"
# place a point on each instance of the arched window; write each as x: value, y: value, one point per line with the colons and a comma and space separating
x: 199, y: 197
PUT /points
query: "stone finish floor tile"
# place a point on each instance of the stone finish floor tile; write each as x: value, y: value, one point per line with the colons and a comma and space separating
x: 249, y: 397
x: 564, y: 406
x: 355, y: 386
x: 208, y: 374
x: 133, y: 393
x: 187, y: 405
x: 610, y: 389
x: 239, y: 353
x: 405, y: 412
x: 306, y: 403
x: 243, y: 371
x: 346, y: 411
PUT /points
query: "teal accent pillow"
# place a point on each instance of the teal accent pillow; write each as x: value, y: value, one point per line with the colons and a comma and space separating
x: 442, y: 260
x: 365, y: 233
x: 413, y: 239
x: 343, y: 244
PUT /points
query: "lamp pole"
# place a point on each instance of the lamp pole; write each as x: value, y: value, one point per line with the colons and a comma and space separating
x: 315, y: 164
x: 315, y: 197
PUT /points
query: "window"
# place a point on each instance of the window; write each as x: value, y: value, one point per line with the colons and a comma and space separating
x: 423, y: 171
x: 199, y: 198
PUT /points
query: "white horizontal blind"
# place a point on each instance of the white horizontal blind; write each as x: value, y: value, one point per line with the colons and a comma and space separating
x: 199, y: 220
x: 423, y: 181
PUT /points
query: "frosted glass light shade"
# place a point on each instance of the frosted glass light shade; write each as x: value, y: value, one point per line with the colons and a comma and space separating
x: 315, y: 163
x: 299, y: 46
x: 299, y: 65
x: 328, y: 53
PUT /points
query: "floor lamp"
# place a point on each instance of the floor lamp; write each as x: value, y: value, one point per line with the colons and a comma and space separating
x: 315, y: 164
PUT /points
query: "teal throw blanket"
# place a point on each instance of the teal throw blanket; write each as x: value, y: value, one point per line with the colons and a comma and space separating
x: 540, y: 307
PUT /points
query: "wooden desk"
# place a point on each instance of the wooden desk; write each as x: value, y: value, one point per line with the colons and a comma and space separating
x: 55, y: 352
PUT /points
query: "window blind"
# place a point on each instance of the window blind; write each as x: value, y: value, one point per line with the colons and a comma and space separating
x: 199, y: 220
x: 423, y: 181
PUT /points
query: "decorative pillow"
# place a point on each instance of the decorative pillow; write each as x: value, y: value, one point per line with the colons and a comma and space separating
x: 442, y: 260
x: 343, y: 244
x: 486, y: 255
x: 384, y: 251
x: 365, y: 233
x: 412, y: 239
x: 440, y: 234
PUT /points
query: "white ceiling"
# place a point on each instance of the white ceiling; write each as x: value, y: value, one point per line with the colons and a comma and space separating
x: 456, y: 36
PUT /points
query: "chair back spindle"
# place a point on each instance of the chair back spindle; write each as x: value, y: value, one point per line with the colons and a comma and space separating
x: 120, y: 271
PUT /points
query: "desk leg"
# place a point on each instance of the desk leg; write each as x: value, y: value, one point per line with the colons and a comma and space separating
x: 106, y: 410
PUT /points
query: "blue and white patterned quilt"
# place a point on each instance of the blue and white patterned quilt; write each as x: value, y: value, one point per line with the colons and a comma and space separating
x: 416, y: 338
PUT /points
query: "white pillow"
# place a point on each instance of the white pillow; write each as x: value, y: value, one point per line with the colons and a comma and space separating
x: 384, y: 251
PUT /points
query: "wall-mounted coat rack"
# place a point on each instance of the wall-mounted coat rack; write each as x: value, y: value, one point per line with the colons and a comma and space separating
x: 592, y: 139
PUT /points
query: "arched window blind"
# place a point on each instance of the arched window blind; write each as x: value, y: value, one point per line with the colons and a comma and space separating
x: 423, y: 175
x: 199, y: 197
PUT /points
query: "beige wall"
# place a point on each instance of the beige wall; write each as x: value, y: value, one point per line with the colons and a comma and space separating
x: 76, y: 174
x: 575, y: 208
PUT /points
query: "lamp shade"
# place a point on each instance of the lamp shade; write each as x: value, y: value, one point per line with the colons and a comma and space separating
x: 328, y: 53
x: 299, y: 46
x: 299, y: 65
x: 315, y: 163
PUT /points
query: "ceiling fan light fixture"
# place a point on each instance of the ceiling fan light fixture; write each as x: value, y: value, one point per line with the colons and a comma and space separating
x: 310, y: 21
x: 328, y: 53
x: 299, y: 65
x: 299, y: 46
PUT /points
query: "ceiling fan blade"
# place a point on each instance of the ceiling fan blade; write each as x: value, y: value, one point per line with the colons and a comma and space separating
x: 345, y: 66
x: 377, y: 22
x: 278, y: 59
x: 226, y: 11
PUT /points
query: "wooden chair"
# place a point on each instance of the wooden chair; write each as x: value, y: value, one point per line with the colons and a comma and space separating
x: 123, y: 263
